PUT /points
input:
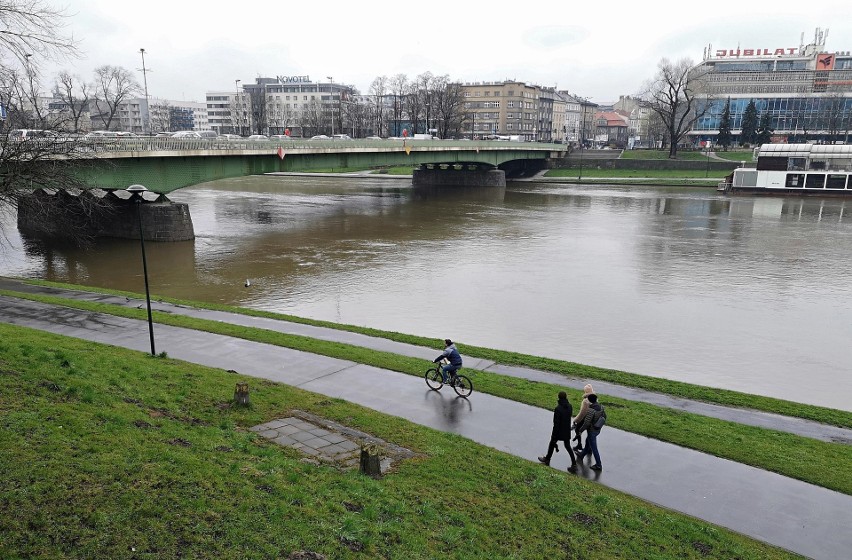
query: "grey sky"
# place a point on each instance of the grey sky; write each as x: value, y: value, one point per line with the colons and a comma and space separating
x: 598, y: 50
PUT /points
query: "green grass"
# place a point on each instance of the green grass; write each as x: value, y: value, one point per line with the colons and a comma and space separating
x: 109, y: 453
x: 714, y: 175
x: 337, y: 170
x: 662, y: 154
x: 824, y: 464
x: 398, y: 170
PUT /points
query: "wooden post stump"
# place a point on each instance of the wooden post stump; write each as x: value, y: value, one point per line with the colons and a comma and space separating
x: 241, y: 394
x: 371, y: 461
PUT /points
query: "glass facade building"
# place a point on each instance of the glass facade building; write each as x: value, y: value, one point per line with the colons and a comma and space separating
x: 806, y: 91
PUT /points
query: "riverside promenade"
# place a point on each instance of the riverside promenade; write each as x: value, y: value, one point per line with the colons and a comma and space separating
x: 803, y: 518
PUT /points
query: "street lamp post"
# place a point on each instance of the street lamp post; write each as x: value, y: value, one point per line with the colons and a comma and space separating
x: 237, y: 107
x: 136, y: 192
x: 707, y: 153
x: 145, y: 81
x: 331, y: 89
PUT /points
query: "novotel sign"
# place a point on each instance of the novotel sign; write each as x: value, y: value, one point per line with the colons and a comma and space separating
x: 727, y: 53
x: 294, y: 79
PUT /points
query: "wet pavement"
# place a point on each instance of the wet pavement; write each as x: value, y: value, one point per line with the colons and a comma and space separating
x: 760, y: 419
x: 791, y: 514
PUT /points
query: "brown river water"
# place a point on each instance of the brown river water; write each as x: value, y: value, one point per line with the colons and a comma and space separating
x: 751, y: 294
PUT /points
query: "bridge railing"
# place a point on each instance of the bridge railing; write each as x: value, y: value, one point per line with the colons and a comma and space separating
x: 159, y: 144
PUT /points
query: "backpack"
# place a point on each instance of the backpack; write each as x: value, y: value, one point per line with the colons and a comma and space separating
x: 600, y: 419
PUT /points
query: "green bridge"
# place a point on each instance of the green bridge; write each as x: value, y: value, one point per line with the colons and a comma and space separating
x: 164, y: 165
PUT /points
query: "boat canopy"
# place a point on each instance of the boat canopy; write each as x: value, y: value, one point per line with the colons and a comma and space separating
x: 810, y: 151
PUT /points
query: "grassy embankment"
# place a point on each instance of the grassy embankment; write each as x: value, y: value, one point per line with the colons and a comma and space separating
x: 109, y: 453
x: 674, y: 177
x: 820, y: 463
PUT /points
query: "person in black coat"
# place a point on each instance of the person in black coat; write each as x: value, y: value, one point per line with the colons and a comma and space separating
x: 562, y: 415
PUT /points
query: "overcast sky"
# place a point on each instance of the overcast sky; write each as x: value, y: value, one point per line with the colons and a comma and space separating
x: 598, y: 50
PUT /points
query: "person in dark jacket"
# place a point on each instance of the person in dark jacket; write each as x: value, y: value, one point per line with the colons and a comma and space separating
x: 452, y: 354
x: 561, y: 431
x: 595, y: 412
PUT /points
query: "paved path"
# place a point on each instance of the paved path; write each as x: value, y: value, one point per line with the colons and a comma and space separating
x: 788, y: 513
x: 796, y: 426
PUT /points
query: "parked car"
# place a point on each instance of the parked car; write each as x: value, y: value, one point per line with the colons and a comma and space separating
x: 29, y: 134
x: 186, y: 134
x: 258, y: 137
x: 320, y: 137
x: 96, y: 134
x: 341, y: 137
x: 280, y: 137
x: 230, y: 137
x: 373, y: 138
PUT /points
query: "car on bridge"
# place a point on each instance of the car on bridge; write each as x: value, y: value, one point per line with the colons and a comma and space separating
x: 258, y: 137
x: 280, y: 137
x: 320, y: 137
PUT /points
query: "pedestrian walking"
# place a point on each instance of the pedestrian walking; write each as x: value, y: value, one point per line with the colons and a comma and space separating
x: 592, y: 424
x: 581, y: 415
x: 561, y: 431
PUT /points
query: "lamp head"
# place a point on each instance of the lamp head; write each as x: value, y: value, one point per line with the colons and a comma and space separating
x: 136, y: 190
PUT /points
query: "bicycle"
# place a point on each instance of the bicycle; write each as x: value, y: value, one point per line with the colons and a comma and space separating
x: 461, y: 384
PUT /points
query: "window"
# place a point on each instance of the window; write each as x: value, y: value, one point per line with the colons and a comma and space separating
x: 836, y: 182
x: 794, y: 180
x: 815, y: 181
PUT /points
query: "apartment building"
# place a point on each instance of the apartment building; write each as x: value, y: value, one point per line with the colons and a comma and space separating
x: 502, y: 108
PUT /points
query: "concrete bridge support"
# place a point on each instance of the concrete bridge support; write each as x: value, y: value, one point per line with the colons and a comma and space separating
x: 458, y: 175
x: 60, y: 213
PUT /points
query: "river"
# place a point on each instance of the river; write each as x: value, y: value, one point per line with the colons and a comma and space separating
x: 744, y: 293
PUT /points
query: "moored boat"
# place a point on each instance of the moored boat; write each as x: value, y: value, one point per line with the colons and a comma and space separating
x: 795, y: 169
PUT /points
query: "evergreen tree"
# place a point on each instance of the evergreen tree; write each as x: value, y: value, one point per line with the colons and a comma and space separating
x: 749, y: 130
x: 764, y: 133
x: 724, y: 138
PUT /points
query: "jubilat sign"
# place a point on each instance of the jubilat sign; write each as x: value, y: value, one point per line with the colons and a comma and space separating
x: 294, y: 79
x: 722, y: 53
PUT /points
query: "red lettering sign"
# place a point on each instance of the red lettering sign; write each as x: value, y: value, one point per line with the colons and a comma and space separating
x: 728, y: 53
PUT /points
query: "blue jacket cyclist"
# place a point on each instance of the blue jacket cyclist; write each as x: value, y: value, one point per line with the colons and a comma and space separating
x: 452, y: 354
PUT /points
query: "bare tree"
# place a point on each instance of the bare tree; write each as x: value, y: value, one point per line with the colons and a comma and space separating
x: 113, y: 85
x: 162, y: 117
x: 74, y: 93
x: 398, y: 86
x: 311, y: 118
x: 378, y: 90
x: 258, y: 104
x: 448, y: 108
x: 30, y: 30
x: 671, y: 94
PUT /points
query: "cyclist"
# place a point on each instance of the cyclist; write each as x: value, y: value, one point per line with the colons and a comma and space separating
x: 452, y: 354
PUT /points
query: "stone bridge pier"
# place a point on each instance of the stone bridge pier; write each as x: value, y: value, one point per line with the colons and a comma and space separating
x: 458, y: 175
x: 94, y: 213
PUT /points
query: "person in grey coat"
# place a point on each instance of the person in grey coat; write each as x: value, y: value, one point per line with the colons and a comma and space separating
x: 596, y: 411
